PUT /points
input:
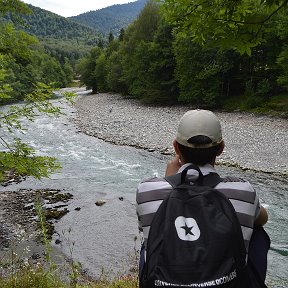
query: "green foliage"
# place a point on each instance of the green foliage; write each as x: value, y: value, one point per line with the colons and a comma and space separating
x: 42, y: 23
x: 22, y: 76
x: 278, y: 104
x: 14, y: 43
x: 235, y: 24
x: 29, y: 276
x: 61, y: 37
x: 147, y: 59
x: 22, y: 67
x: 146, y: 24
x: 200, y: 71
x: 142, y: 29
x: 256, y: 96
x: 275, y: 106
x: 25, y: 64
x: 121, y: 35
x: 114, y: 73
x: 101, y: 73
x: 110, y: 37
x: 23, y: 161
x: 282, y: 61
x: 86, y: 67
x: 124, y: 66
x: 263, y: 89
x: 164, y: 62
x: 18, y: 157
x: 13, y: 6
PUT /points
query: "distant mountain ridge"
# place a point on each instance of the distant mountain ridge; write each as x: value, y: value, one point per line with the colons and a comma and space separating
x: 60, y: 36
x: 73, y: 37
x: 112, y: 18
x: 45, y: 24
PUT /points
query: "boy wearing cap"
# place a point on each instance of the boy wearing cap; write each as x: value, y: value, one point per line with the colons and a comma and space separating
x: 199, y: 141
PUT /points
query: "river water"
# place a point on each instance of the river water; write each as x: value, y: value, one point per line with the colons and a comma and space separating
x: 102, y: 238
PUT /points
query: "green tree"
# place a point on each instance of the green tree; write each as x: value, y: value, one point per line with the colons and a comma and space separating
x: 87, y: 69
x: 200, y: 72
x: 101, y: 73
x: 26, y: 62
x: 114, y: 69
x: 142, y: 29
x: 233, y: 24
x: 110, y: 37
x: 283, y: 63
x: 121, y: 34
x: 15, y: 64
x: 13, y: 6
x: 142, y: 62
x: 281, y: 30
x: 154, y: 68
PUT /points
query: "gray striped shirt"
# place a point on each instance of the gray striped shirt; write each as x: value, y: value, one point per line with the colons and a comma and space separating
x: 151, y: 192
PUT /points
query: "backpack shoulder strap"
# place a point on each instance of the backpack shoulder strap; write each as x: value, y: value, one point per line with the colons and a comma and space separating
x: 210, y: 180
x: 174, y: 180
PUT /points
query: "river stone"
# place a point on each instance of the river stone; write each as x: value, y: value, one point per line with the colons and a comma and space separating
x: 100, y: 202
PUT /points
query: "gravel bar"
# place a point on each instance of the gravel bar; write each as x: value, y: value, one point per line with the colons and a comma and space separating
x: 252, y: 142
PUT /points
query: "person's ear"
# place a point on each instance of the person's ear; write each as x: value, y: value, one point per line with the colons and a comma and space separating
x: 177, y: 151
x: 221, y: 148
x: 176, y: 147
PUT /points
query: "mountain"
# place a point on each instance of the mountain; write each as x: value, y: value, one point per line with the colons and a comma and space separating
x: 43, y: 23
x: 112, y: 18
x: 72, y: 37
x: 61, y: 37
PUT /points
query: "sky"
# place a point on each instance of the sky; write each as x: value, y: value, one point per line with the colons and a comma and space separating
x: 68, y: 8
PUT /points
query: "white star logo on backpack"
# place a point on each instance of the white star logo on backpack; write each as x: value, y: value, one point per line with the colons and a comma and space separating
x: 187, y: 228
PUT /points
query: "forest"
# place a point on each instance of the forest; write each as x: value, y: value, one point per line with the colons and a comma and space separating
x: 171, y: 54
x: 24, y: 61
x: 175, y: 54
x: 60, y: 37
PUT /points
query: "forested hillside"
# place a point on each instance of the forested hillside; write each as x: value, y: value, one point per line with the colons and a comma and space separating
x: 113, y: 18
x: 24, y: 61
x: 62, y: 37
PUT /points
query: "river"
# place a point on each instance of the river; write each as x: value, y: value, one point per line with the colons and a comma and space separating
x: 103, y: 237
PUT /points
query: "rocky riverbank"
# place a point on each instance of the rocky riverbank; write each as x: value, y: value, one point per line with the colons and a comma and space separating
x: 252, y: 142
x: 20, y: 225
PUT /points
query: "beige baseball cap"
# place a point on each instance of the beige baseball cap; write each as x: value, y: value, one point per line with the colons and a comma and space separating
x: 199, y: 123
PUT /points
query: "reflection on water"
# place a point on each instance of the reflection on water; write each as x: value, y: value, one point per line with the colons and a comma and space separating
x: 92, y: 169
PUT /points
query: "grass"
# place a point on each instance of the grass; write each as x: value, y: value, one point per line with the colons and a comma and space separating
x: 39, y: 277
x: 24, y: 272
x: 74, y: 84
x: 274, y: 106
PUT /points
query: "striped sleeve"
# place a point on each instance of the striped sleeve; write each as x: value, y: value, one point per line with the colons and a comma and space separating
x: 149, y: 196
x: 245, y: 202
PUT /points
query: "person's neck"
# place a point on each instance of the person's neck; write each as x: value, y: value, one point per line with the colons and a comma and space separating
x: 212, y: 163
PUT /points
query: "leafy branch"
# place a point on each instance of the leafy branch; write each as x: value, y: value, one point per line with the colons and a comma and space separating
x: 228, y: 24
x: 18, y: 156
x: 267, y: 18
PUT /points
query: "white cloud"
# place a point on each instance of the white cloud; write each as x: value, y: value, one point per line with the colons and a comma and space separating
x: 68, y: 8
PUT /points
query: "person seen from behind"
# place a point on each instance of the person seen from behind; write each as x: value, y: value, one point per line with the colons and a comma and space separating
x: 199, y: 142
